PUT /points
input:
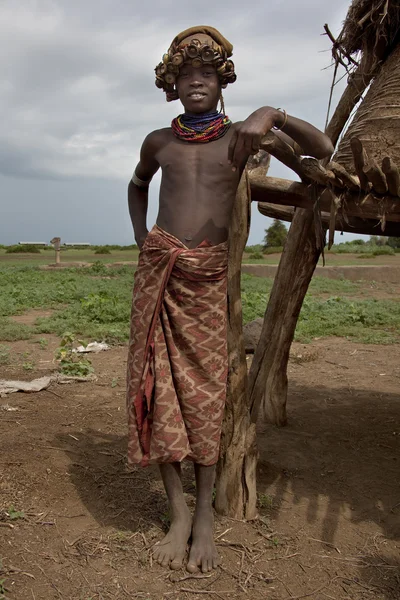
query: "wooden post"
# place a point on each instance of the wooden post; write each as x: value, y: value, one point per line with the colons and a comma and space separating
x: 268, y: 373
x: 349, y: 224
x: 56, y: 241
x: 236, y: 469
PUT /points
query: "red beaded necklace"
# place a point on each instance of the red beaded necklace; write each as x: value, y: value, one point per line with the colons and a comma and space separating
x: 201, y: 128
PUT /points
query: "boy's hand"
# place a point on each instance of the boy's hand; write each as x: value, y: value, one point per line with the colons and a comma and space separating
x: 247, y: 136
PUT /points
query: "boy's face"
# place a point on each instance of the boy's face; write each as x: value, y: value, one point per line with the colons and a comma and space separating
x: 198, y: 88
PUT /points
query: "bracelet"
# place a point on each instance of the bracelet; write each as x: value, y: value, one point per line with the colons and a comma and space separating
x: 140, y: 182
x: 284, y: 120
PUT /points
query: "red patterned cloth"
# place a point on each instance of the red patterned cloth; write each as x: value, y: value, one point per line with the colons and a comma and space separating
x: 177, y: 360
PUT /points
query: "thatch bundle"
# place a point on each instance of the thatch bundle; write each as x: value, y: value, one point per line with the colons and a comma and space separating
x: 371, y: 28
x: 371, y: 33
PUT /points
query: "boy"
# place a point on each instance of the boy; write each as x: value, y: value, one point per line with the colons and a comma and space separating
x: 177, y: 362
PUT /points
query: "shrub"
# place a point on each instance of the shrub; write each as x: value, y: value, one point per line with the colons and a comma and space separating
x: 22, y: 248
x: 273, y: 250
x: 381, y: 250
x: 255, y: 255
x: 394, y: 242
x: 102, y: 250
x: 252, y: 249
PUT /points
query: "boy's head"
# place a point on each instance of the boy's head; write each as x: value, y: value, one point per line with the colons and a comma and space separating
x: 199, y: 55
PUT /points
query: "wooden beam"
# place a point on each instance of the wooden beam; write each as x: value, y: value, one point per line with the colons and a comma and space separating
x: 376, y: 176
x: 350, y: 225
x: 283, y: 152
x: 360, y: 158
x: 351, y: 182
x: 236, y: 492
x: 291, y: 193
x: 313, y: 169
x: 268, y: 372
x: 392, y: 176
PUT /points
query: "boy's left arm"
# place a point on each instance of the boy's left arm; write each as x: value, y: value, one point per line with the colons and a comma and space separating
x: 248, y: 134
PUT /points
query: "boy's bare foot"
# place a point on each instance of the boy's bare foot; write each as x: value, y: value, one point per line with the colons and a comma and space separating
x: 172, y: 549
x: 203, y: 553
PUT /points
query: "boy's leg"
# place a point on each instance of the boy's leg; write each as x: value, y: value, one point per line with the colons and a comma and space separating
x: 172, y: 549
x: 203, y: 552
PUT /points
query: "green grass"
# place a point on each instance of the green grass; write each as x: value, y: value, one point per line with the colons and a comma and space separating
x: 47, y: 257
x: 362, y: 320
x: 333, y: 257
x: 95, y: 303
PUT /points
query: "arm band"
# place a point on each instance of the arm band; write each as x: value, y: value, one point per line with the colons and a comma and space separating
x: 284, y: 120
x: 139, y: 182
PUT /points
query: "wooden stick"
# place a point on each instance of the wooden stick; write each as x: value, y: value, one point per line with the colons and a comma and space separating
x: 292, y: 193
x: 236, y: 493
x: 360, y: 158
x: 376, y: 176
x: 283, y: 152
x: 351, y: 182
x: 268, y: 373
x: 335, y: 205
x: 392, y: 176
x: 313, y: 170
x: 351, y: 225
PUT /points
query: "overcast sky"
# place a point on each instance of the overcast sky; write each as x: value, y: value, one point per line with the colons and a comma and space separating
x: 77, y: 97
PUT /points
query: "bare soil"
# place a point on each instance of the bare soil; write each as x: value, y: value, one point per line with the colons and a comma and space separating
x: 328, y: 484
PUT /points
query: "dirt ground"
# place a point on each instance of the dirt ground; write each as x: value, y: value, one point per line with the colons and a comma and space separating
x: 75, y: 524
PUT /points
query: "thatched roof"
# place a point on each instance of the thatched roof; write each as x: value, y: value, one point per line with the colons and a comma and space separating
x: 371, y: 30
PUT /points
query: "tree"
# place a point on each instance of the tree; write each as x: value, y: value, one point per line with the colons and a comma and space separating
x: 378, y: 240
x: 275, y: 235
x: 394, y: 242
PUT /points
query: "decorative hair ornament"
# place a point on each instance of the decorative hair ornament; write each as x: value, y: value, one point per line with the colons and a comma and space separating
x: 186, y: 48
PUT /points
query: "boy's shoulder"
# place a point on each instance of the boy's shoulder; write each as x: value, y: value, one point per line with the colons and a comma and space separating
x: 157, y: 139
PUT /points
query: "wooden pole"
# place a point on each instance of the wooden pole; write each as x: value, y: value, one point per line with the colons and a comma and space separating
x: 236, y: 469
x: 292, y: 193
x: 268, y: 372
x: 392, y: 176
x: 349, y: 225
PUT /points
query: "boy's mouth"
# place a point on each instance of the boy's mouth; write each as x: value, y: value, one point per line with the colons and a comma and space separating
x: 196, y: 95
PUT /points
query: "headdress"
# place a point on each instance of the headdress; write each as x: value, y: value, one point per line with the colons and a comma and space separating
x: 197, y: 45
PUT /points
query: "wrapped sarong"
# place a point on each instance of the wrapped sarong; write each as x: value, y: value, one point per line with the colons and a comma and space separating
x: 177, y: 359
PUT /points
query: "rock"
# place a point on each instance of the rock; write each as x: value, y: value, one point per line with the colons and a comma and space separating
x: 251, y: 334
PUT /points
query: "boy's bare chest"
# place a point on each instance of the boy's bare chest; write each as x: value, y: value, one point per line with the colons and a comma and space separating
x: 193, y: 159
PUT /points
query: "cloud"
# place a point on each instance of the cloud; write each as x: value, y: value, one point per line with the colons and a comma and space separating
x: 77, y: 93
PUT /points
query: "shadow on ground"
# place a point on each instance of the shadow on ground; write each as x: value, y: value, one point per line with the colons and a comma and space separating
x: 125, y: 499
x: 336, y: 467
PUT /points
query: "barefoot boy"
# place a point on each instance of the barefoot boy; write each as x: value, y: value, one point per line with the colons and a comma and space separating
x: 177, y: 362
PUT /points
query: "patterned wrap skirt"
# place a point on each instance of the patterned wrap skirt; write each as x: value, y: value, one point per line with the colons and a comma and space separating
x: 177, y: 359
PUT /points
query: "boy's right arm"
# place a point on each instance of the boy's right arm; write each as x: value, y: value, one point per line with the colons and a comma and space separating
x: 137, y: 194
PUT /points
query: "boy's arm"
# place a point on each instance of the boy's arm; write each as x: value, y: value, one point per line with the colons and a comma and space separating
x: 138, y: 194
x: 247, y: 137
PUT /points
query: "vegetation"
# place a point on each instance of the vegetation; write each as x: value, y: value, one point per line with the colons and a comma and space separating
x: 22, y: 249
x: 72, y: 363
x: 394, y: 242
x: 95, y: 303
x: 376, y: 246
x: 275, y: 235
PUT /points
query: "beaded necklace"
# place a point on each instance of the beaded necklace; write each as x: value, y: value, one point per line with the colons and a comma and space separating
x: 201, y: 128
